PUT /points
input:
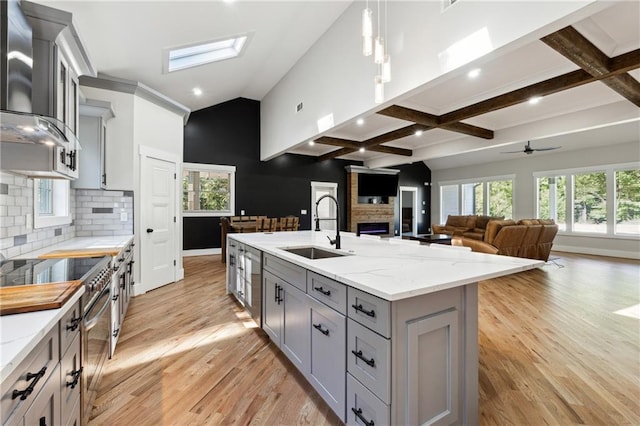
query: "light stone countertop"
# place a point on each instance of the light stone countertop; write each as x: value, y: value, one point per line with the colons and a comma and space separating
x: 389, y: 270
x: 20, y: 333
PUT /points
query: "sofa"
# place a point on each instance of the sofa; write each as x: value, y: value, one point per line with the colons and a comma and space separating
x: 529, y: 238
x: 469, y: 226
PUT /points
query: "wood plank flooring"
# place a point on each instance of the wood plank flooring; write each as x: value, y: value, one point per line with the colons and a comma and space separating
x: 553, y: 350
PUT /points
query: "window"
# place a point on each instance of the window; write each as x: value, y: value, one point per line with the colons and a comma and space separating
x: 492, y: 196
x: 208, y: 190
x: 51, y: 206
x: 604, y: 200
x: 590, y: 202
x: 552, y: 200
x: 204, y: 53
x: 627, y: 186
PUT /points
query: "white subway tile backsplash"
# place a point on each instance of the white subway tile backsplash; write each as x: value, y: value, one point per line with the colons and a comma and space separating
x: 16, y: 216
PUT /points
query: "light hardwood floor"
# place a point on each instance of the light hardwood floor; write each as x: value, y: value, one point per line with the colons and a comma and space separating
x: 553, y: 350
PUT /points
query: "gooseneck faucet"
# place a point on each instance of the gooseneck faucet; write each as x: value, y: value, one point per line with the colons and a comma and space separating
x: 337, y: 240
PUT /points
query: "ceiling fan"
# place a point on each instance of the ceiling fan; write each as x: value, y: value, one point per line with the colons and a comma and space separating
x: 528, y: 150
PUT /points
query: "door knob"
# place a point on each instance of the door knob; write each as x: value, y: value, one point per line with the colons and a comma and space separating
x: 149, y: 230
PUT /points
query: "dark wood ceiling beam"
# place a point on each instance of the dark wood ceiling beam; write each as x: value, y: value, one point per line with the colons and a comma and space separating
x: 336, y: 153
x: 625, y: 62
x: 394, y: 135
x: 575, y: 47
x: 433, y: 121
x: 354, y: 146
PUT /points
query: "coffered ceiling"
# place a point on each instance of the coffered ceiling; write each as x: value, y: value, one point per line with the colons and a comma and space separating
x: 474, y: 120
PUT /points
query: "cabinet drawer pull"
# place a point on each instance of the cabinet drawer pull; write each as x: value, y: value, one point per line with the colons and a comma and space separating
x: 319, y: 328
x: 73, y: 324
x: 358, y: 413
x: 116, y: 332
x: 370, y: 362
x: 323, y: 291
x: 76, y: 377
x: 279, y: 294
x: 30, y: 376
x: 114, y: 298
x: 359, y: 308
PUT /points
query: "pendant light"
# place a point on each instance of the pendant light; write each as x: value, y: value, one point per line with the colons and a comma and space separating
x: 367, y: 31
x: 378, y: 51
x: 378, y: 90
x: 386, y: 62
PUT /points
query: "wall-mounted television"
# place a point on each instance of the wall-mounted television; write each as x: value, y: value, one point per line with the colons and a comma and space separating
x: 377, y: 185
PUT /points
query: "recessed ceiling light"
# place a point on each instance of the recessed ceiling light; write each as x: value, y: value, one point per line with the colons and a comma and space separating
x: 474, y: 73
x: 418, y: 133
x: 203, y: 53
x: 312, y: 143
x: 197, y: 91
x: 360, y: 121
x: 534, y: 100
x: 361, y: 149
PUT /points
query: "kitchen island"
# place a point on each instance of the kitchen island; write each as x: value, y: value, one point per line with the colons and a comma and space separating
x: 386, y: 333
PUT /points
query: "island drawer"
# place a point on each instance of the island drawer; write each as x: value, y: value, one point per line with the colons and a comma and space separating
x: 363, y: 407
x: 38, y: 365
x: 293, y: 274
x: 70, y: 327
x: 370, y: 311
x: 328, y: 291
x: 369, y: 359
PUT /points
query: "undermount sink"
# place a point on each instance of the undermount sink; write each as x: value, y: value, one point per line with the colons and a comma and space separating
x: 311, y: 252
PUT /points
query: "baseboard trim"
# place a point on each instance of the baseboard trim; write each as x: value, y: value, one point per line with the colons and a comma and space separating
x: 597, y: 252
x: 201, y: 252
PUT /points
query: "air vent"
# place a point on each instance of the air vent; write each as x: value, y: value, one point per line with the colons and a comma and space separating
x: 299, y: 107
x: 448, y: 3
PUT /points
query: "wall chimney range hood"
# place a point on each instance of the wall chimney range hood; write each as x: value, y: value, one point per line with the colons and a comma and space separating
x: 26, y: 128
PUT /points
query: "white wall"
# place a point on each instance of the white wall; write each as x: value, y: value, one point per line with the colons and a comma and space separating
x: 524, y: 189
x: 333, y: 77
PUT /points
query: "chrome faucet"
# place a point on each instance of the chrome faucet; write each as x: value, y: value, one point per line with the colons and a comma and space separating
x: 337, y: 240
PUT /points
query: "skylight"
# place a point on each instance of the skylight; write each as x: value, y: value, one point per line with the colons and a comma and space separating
x: 204, y: 53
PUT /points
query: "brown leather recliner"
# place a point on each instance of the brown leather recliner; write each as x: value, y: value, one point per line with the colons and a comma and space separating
x: 477, y: 233
x: 455, y: 225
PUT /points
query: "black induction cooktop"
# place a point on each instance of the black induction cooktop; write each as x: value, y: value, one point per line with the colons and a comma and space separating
x: 43, y: 271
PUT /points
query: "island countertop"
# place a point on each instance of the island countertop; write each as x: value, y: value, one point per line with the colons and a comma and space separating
x: 388, y: 269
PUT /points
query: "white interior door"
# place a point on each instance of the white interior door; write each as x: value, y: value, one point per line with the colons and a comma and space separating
x: 326, y: 208
x: 158, y: 230
x: 408, y: 210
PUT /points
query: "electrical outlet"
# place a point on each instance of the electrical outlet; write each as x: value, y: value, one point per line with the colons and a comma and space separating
x: 241, y: 212
x: 123, y: 216
x: 303, y: 212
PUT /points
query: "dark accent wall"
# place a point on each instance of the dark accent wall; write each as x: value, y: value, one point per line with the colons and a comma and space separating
x: 229, y: 134
x: 416, y: 174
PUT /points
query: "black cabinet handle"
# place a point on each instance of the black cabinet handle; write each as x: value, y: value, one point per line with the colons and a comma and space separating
x: 73, y: 324
x: 370, y: 362
x: 359, y: 308
x: 30, y: 376
x: 323, y: 291
x: 42, y: 421
x: 116, y: 332
x: 75, y: 374
x: 149, y: 230
x: 275, y: 286
x: 319, y: 328
x: 114, y: 298
x: 279, y: 294
x: 104, y: 178
x: 358, y: 413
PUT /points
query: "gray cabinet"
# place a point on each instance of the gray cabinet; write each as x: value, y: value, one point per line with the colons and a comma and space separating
x: 45, y: 387
x: 92, y: 133
x: 295, y: 338
x: 328, y: 363
x: 272, y: 308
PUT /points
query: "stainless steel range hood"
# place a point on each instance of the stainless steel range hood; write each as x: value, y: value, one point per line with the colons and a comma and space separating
x: 26, y: 128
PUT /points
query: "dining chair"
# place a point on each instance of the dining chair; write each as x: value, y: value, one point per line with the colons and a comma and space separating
x: 290, y: 223
x: 266, y: 224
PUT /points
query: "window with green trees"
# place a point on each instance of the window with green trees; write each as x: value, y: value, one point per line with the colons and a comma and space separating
x: 492, y: 196
x: 207, y: 189
x: 603, y: 201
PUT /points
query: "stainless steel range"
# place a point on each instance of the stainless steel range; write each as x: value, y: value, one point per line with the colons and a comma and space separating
x: 95, y: 273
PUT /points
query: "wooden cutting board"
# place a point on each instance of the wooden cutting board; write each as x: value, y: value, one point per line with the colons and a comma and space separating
x: 93, y: 252
x: 36, y: 297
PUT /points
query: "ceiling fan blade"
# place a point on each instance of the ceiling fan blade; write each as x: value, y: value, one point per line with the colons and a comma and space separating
x: 546, y: 149
x: 511, y: 152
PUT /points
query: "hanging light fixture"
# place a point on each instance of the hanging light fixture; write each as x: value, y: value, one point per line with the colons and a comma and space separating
x: 367, y: 31
x: 379, y: 90
x: 378, y: 51
x: 386, y: 62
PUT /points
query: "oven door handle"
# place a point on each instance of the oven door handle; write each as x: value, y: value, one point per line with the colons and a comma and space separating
x: 88, y: 325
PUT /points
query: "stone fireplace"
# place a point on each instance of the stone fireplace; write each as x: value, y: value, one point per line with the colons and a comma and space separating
x: 368, y: 215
